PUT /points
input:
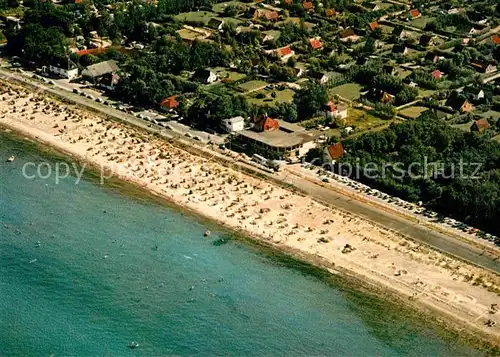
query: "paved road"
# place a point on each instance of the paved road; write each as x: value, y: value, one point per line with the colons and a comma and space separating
x: 444, y: 243
x: 418, y: 232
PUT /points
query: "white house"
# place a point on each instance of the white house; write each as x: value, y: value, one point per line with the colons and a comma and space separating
x: 233, y: 125
x: 65, y: 69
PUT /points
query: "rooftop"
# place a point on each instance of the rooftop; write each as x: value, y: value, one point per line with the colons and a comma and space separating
x: 278, y: 138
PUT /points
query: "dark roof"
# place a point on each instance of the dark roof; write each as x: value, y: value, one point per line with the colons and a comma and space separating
x: 346, y: 33
x: 317, y: 74
x: 215, y: 23
x: 425, y: 39
x: 65, y: 63
x: 397, y: 31
x: 202, y: 73
x: 398, y: 49
x: 455, y: 102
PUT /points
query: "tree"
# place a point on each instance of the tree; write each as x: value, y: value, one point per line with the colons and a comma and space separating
x: 310, y: 99
x: 369, y: 46
x: 38, y: 44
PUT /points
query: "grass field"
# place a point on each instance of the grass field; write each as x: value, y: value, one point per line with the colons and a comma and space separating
x: 491, y: 113
x: 497, y: 138
x: 349, y: 91
x: 190, y: 35
x: 421, y: 21
x: 221, y: 6
x: 464, y: 127
x: 225, y: 73
x: 251, y: 86
x: 362, y: 122
x: 285, y: 95
x: 296, y: 21
x: 198, y: 16
x: 413, y: 112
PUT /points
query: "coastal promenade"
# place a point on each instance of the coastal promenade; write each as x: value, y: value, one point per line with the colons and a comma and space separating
x: 445, y: 243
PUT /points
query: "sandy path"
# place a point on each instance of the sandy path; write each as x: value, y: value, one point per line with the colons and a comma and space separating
x: 262, y: 210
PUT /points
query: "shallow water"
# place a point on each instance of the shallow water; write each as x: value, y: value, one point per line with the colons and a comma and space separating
x: 98, y: 283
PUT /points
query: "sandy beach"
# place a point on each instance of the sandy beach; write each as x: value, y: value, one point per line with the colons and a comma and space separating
x: 336, y: 240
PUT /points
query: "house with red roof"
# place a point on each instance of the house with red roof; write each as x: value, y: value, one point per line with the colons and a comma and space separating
x: 415, y: 14
x: 495, y: 40
x: 266, y: 123
x: 373, y: 25
x: 284, y: 53
x: 334, y: 152
x: 480, y: 125
x: 308, y: 5
x: 437, y: 74
x: 315, y: 44
x: 170, y: 102
x: 330, y: 13
x: 335, y: 110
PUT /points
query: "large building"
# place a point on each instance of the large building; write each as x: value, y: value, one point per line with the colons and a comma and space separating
x: 276, y: 138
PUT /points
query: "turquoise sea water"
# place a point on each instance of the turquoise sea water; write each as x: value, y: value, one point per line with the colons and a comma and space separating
x: 99, y: 283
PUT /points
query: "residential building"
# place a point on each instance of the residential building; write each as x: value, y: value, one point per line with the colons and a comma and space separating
x: 308, y: 5
x: 474, y: 93
x: 284, y: 53
x: 495, y: 40
x: 109, y: 81
x: 400, y: 33
x: 95, y: 72
x: 348, y: 35
x: 426, y: 40
x: 332, y: 110
x: 431, y: 57
x: 216, y: 24
x: 484, y: 67
x: 437, y: 74
x: 233, y: 125
x: 64, y: 68
x: 169, y: 103
x: 400, y: 50
x: 321, y: 77
x: 330, y: 13
x: 373, y: 25
x: 333, y: 152
x: 480, y: 125
x: 315, y: 44
x: 204, y: 76
x: 459, y: 104
x: 414, y: 14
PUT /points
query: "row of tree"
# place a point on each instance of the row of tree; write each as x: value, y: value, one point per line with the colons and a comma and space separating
x: 451, y: 171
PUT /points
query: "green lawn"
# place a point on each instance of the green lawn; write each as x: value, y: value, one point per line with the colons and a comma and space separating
x: 285, y: 95
x: 221, y: 6
x: 252, y: 85
x: 497, y: 138
x: 296, y: 21
x: 491, y: 113
x: 198, y: 16
x: 413, y: 112
x: 362, y: 122
x: 226, y: 73
x: 464, y: 127
x: 421, y: 21
x: 349, y: 91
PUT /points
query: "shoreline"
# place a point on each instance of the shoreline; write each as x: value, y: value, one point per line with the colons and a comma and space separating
x: 374, y: 274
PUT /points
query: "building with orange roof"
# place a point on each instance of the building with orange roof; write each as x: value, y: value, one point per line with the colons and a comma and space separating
x: 415, y: 14
x: 330, y: 13
x: 495, y: 40
x: 315, y: 44
x: 284, y: 53
x: 308, y: 5
x: 170, y: 102
x: 373, y: 25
